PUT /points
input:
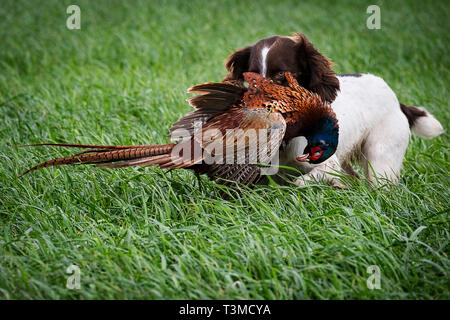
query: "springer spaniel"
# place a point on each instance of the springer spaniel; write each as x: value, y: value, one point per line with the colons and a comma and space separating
x: 374, y: 128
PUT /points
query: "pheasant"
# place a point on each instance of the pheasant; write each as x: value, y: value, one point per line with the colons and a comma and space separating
x: 219, y: 139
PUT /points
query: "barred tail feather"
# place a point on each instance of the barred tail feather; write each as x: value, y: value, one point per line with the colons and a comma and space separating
x: 110, y: 156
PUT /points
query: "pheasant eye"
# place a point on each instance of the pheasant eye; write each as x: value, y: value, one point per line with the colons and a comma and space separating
x: 315, y: 153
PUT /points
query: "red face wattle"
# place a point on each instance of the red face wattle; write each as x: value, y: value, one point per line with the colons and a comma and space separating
x: 315, y: 153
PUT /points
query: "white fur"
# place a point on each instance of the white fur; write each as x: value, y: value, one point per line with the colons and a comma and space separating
x: 427, y: 127
x: 372, y: 127
x: 264, y: 52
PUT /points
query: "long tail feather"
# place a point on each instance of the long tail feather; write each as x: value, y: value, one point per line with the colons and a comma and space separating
x: 85, y: 146
x: 112, y: 156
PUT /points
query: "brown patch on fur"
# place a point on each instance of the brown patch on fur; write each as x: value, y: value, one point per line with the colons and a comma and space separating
x: 412, y: 113
x: 346, y: 166
x: 356, y: 75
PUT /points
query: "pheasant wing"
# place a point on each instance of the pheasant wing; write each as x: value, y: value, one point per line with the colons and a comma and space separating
x: 214, y: 98
x: 235, y: 143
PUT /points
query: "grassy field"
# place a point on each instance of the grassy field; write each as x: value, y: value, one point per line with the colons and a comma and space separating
x: 145, y: 233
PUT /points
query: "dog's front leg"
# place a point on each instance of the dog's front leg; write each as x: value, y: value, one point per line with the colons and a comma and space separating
x: 328, y: 172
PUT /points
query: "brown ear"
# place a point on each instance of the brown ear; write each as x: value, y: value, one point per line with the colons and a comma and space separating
x: 238, y: 63
x: 316, y: 74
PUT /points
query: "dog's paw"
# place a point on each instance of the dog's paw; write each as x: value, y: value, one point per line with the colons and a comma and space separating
x: 302, y: 183
x: 338, y: 185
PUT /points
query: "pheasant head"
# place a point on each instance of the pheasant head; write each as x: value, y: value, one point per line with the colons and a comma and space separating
x: 304, y: 112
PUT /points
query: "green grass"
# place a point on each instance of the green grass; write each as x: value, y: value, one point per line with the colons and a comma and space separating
x: 147, y: 233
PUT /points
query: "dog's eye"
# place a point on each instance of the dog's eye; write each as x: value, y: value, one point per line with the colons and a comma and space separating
x: 280, y: 74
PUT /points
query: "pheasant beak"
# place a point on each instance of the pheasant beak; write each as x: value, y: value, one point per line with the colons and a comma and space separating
x: 303, y: 158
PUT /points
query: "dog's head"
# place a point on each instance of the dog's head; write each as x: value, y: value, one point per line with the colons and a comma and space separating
x: 273, y: 56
